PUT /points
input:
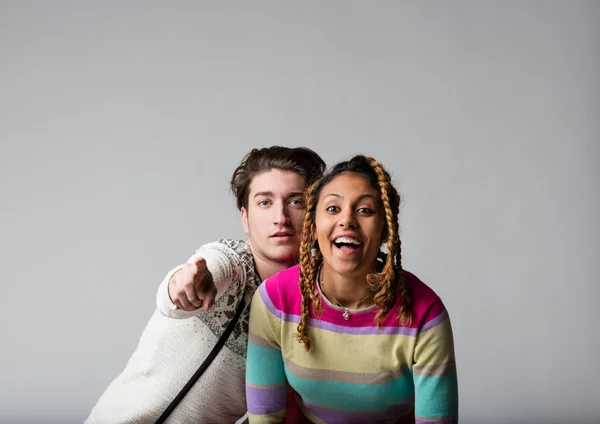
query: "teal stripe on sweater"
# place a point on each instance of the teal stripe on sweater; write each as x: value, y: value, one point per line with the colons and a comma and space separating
x: 436, y: 395
x: 365, y: 397
x: 260, y: 359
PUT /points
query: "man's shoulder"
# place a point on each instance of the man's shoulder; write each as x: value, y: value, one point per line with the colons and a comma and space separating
x: 239, y: 248
x: 237, y: 245
x: 233, y: 255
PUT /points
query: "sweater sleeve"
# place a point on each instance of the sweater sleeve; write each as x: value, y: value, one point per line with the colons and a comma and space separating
x: 434, y: 370
x: 223, y: 260
x: 265, y: 377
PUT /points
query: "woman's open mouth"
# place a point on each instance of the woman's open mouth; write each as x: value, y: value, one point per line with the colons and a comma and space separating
x: 347, y: 245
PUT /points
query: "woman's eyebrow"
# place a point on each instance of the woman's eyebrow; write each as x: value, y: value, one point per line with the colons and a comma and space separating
x: 361, y: 197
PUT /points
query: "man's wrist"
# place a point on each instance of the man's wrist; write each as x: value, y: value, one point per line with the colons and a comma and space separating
x: 171, y: 280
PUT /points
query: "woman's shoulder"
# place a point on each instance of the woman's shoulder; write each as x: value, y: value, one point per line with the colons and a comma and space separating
x: 427, y: 305
x: 420, y: 290
x: 282, y: 288
x: 286, y: 276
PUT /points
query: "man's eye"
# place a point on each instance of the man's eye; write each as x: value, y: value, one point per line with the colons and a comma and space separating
x: 297, y: 202
x: 264, y: 203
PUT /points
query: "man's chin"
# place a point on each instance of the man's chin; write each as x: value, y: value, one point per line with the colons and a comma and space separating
x: 285, y: 255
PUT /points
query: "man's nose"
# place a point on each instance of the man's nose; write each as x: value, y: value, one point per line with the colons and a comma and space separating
x: 280, y: 215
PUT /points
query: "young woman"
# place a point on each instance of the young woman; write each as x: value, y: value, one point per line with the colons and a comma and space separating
x: 358, y: 338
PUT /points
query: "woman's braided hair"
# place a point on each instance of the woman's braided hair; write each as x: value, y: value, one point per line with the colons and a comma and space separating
x: 387, y: 283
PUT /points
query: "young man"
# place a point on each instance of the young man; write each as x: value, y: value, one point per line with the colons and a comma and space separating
x: 269, y: 186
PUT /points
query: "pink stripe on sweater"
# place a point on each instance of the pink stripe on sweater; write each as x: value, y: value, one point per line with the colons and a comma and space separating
x: 284, y: 292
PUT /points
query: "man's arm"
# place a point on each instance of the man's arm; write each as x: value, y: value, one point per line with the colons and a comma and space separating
x: 214, y: 270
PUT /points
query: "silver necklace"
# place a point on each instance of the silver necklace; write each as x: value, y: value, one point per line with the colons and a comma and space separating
x: 346, y: 313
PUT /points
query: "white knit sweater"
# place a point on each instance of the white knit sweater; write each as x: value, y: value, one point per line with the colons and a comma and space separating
x: 171, y: 349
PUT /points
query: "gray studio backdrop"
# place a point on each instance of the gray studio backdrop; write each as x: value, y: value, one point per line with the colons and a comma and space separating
x: 121, y: 122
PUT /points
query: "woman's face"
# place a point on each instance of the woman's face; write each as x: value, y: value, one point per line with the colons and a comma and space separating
x: 349, y: 222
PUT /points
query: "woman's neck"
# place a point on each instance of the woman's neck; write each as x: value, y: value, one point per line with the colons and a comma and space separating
x: 349, y: 290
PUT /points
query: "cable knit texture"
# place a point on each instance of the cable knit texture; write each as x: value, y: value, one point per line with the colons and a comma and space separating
x: 172, y: 348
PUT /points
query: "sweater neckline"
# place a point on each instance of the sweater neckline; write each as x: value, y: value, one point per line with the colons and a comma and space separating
x: 341, y: 309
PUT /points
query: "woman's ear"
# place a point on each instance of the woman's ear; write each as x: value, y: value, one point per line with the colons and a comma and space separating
x: 313, y: 236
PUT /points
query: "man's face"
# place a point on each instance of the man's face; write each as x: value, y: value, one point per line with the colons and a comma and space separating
x: 273, y: 219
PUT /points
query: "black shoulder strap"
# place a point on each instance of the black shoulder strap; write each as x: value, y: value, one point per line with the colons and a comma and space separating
x: 211, y: 356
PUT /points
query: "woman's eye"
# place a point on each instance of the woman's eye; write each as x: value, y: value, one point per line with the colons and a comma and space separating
x: 331, y: 208
x: 365, y: 211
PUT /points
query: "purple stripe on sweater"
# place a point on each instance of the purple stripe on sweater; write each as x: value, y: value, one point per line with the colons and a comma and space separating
x: 434, y: 322
x: 337, y: 416
x: 324, y: 325
x: 372, y: 329
x: 267, y: 400
x: 262, y: 291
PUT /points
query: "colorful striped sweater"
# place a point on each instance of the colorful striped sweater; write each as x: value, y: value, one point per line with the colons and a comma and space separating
x: 354, y: 372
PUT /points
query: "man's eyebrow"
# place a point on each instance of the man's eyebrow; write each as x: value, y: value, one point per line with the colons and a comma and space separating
x: 264, y: 193
x: 270, y: 194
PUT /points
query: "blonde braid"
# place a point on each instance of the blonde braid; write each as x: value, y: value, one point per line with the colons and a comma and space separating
x: 404, y: 313
x: 308, y: 267
x: 389, y: 281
